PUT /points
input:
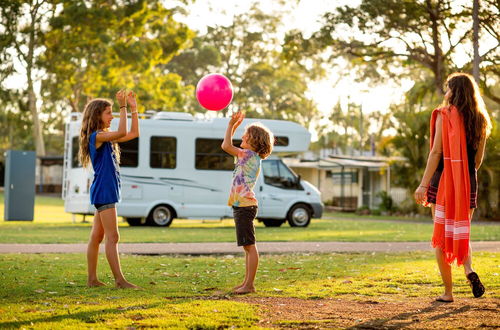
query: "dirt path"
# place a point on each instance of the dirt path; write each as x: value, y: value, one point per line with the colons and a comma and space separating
x: 365, y: 313
x: 231, y: 248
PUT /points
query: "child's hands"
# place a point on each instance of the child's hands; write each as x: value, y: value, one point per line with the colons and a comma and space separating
x: 121, y: 97
x: 236, y: 119
x: 131, y: 99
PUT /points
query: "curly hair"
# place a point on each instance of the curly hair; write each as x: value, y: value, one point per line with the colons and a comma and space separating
x: 91, y: 122
x: 466, y: 97
x: 261, y: 139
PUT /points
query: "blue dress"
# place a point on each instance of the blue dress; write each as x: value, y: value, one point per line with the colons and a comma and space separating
x: 105, y: 188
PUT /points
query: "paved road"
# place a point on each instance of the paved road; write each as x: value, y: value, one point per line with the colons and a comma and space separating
x: 231, y: 248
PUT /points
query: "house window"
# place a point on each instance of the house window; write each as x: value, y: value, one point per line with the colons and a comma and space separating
x: 343, y: 177
x: 129, y: 153
x: 210, y: 156
x: 163, y: 152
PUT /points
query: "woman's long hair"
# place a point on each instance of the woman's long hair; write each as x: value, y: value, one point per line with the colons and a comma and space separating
x: 91, y: 122
x: 466, y: 97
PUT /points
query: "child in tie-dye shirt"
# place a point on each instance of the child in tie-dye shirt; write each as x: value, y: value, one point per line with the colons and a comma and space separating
x: 257, y: 143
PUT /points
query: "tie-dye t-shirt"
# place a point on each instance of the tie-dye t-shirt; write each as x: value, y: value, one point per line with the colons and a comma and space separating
x: 245, y: 175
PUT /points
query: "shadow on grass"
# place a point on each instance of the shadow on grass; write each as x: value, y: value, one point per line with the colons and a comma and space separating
x: 88, y: 317
x: 407, y: 319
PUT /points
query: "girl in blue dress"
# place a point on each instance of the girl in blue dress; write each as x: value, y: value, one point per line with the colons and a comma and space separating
x: 99, y: 147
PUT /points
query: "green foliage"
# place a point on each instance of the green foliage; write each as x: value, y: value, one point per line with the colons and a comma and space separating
x: 489, y: 177
x: 15, y: 123
x: 248, y: 52
x: 124, y: 46
x: 412, y: 142
x: 387, y: 203
x: 394, y: 44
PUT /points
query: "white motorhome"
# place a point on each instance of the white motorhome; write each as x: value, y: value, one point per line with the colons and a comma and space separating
x: 177, y: 169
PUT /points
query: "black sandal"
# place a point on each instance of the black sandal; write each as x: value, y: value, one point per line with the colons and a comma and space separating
x: 476, y: 285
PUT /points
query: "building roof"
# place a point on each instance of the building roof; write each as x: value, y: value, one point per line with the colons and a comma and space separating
x: 337, y: 162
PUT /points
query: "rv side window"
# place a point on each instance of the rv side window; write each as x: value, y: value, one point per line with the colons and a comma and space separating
x: 129, y: 153
x: 75, y: 147
x: 281, y: 141
x: 163, y: 152
x: 279, y: 175
x: 210, y: 156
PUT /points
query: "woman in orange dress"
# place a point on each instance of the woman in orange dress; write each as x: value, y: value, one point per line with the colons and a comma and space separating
x: 459, y: 129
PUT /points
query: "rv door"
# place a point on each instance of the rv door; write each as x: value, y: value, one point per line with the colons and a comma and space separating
x: 279, y: 189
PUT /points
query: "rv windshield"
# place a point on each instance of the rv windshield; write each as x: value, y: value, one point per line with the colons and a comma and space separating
x: 277, y: 174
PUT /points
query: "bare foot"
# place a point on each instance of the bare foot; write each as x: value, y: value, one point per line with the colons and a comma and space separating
x: 244, y: 290
x: 126, y: 285
x: 237, y: 287
x: 95, y: 283
x: 445, y: 298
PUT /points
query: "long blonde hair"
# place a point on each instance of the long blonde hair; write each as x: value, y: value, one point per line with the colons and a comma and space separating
x: 91, y: 122
x: 466, y: 97
x: 261, y: 139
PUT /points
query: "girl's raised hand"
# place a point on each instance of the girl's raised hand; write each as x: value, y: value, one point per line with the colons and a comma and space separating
x: 132, y: 100
x: 121, y: 98
x: 237, y: 118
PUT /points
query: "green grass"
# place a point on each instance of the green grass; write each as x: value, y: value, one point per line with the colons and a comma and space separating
x: 47, y: 291
x: 53, y: 225
x: 352, y: 215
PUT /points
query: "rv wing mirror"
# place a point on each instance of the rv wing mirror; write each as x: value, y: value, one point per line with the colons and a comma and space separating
x: 298, y: 179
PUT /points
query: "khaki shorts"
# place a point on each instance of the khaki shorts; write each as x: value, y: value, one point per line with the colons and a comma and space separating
x: 243, y: 221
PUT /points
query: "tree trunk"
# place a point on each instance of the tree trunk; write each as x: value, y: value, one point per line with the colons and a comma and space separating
x: 37, y: 129
x: 438, y: 65
x: 475, y: 40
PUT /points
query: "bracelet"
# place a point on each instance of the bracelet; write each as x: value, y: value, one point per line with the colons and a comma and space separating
x: 424, y: 186
x: 133, y: 112
x: 123, y: 106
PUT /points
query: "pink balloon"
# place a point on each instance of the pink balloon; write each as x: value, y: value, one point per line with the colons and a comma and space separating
x: 214, y: 92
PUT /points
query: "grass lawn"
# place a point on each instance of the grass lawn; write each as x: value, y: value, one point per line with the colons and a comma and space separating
x: 53, y: 225
x: 47, y: 291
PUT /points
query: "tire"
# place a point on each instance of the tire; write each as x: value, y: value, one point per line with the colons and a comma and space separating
x: 299, y: 216
x: 273, y: 222
x: 134, y: 221
x: 161, y: 216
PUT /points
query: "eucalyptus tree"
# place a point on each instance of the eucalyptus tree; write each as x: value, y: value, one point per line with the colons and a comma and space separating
x: 249, y: 52
x: 21, y: 39
x: 95, y: 48
x: 391, y: 39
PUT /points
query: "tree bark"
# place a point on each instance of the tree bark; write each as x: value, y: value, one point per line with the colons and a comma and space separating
x: 438, y: 65
x: 475, y: 40
x: 32, y: 99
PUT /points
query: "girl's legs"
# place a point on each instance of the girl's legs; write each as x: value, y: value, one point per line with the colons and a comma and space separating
x: 445, y: 270
x: 468, y: 262
x: 246, y: 273
x: 252, y: 263
x: 96, y: 236
x: 110, y: 225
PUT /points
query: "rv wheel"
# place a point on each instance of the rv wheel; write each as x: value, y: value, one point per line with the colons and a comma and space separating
x: 299, y: 216
x: 134, y: 221
x: 272, y: 222
x: 161, y: 215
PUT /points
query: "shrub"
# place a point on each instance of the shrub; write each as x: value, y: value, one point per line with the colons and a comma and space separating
x: 387, y: 203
